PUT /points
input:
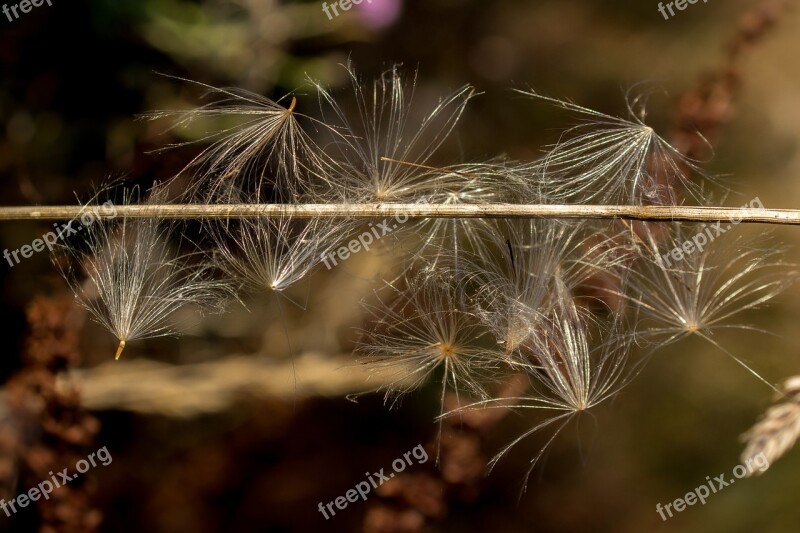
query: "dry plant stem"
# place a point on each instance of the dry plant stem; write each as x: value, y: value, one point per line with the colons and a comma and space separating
x: 505, y: 211
x: 183, y: 391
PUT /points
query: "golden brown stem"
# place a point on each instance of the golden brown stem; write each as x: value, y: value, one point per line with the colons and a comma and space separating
x: 504, y: 211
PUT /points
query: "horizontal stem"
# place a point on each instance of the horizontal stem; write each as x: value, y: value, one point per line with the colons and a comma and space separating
x: 217, y: 211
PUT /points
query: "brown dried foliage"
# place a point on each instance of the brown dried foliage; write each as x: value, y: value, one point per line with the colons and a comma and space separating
x: 47, y: 429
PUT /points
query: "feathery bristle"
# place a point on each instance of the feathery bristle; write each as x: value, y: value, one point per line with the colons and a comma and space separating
x: 137, y: 279
x: 366, y: 143
x: 536, y: 266
x: 419, y: 330
x: 614, y: 160
x: 272, y: 254
x: 568, y: 375
x: 257, y: 147
x: 706, y: 290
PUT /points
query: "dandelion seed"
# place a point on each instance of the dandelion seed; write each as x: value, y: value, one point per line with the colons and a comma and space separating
x: 537, y: 265
x: 366, y: 144
x: 136, y: 280
x: 614, y: 160
x: 265, y: 152
x: 420, y: 330
x: 438, y: 242
x: 469, y: 184
x: 272, y: 254
x: 706, y: 291
x: 568, y: 376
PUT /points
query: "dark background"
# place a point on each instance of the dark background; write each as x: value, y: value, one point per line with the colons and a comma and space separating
x: 75, y: 76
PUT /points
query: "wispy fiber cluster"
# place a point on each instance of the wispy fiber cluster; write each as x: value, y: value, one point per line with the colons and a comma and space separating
x: 576, y: 307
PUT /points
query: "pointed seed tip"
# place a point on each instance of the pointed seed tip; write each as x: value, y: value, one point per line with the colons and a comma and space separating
x: 120, y: 348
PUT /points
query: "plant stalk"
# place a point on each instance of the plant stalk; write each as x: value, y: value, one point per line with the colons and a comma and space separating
x: 732, y: 215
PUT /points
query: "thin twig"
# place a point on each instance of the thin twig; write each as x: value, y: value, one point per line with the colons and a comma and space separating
x: 216, y: 211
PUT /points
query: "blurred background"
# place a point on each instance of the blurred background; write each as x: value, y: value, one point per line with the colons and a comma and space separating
x: 232, y: 428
